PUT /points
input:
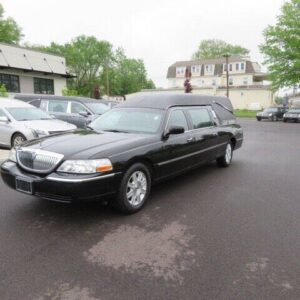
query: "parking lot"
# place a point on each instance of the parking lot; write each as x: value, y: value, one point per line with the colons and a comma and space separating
x: 210, y: 234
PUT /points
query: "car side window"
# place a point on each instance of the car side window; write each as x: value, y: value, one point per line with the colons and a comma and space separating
x: 35, y: 103
x: 77, y: 108
x: 200, y: 118
x: 177, y: 118
x: 58, y: 106
x: 2, y: 113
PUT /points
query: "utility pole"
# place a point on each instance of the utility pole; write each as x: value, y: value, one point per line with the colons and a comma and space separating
x: 227, y: 74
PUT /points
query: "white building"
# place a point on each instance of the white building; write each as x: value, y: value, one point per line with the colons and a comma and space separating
x: 23, y: 70
x: 246, y: 80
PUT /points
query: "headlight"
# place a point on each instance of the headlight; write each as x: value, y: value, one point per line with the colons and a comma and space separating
x: 39, y: 133
x: 86, y: 166
x: 270, y: 115
x: 13, y: 155
x: 284, y: 115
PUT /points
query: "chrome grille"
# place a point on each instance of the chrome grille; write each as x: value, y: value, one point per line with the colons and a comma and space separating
x: 37, y: 160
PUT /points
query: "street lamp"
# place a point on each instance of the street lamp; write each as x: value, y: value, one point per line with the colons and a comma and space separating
x: 227, y: 74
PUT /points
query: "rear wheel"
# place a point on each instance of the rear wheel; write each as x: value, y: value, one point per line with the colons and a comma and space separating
x: 258, y: 119
x: 225, y: 160
x: 134, y: 189
x: 17, y: 139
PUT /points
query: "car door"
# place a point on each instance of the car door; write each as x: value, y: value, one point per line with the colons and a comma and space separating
x: 207, y: 141
x: 6, y: 129
x: 176, y: 149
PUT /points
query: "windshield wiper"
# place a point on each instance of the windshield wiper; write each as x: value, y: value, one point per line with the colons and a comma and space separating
x: 116, y: 130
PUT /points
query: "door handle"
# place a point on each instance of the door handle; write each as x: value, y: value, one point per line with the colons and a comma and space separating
x: 191, y: 139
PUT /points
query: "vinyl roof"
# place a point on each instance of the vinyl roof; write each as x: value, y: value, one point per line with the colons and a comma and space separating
x: 14, y: 57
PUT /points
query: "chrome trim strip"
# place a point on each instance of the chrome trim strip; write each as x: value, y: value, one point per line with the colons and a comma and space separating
x: 191, y: 154
x: 74, y: 180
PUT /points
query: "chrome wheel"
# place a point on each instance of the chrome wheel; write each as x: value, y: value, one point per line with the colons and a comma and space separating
x: 136, y: 188
x: 228, y: 154
x: 18, y: 140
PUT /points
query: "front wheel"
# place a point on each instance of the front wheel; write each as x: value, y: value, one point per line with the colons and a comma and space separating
x: 134, y: 189
x: 17, y: 140
x: 225, y: 160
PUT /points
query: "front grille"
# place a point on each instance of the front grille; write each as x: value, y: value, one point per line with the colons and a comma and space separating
x: 38, y: 161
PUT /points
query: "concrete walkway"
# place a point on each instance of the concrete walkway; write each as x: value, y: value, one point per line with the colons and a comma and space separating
x: 3, y: 154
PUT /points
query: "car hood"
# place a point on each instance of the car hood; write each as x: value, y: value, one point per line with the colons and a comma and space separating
x: 49, y: 125
x: 86, y: 144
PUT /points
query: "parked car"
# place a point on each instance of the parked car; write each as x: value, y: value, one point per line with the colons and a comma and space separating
x: 271, y: 113
x: 75, y: 110
x: 21, y: 121
x: 126, y: 150
x: 292, y: 115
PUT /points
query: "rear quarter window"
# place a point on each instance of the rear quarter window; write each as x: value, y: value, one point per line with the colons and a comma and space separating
x: 200, y: 118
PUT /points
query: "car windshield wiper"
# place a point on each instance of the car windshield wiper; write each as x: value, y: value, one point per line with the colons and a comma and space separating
x: 116, y: 130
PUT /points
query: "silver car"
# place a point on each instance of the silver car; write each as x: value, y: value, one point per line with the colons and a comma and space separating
x: 20, y: 121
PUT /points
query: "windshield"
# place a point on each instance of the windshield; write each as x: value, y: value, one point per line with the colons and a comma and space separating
x: 271, y: 109
x: 130, y: 120
x: 98, y: 108
x: 27, y: 114
x: 295, y: 110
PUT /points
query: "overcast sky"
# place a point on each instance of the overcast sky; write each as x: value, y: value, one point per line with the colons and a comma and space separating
x: 159, y: 32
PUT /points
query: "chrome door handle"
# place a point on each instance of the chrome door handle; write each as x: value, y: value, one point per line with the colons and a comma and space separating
x: 191, y: 139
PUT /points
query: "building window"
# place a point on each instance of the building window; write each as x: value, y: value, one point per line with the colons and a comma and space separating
x: 11, y: 82
x: 237, y: 67
x: 196, y: 69
x: 230, y: 81
x: 43, y: 86
x: 208, y: 68
x: 242, y: 66
x: 180, y: 71
x: 230, y: 67
x: 224, y: 67
x: 214, y: 82
x: 245, y: 81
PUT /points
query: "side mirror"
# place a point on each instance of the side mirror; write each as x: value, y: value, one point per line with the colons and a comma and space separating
x: 174, y: 130
x: 4, y: 119
x: 84, y: 114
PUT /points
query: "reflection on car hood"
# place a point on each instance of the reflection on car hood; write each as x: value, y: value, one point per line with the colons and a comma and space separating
x: 84, y: 144
x: 49, y: 125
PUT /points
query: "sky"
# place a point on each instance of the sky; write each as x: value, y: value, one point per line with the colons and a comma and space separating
x: 159, y: 32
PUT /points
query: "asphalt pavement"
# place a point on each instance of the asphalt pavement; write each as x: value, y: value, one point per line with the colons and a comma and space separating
x: 213, y: 233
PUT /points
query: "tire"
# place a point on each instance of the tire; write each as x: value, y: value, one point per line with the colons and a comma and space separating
x: 225, y: 160
x: 258, y: 119
x: 17, y: 139
x: 284, y: 120
x: 134, y: 189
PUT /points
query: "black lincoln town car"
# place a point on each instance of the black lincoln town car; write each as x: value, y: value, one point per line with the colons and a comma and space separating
x: 146, y: 139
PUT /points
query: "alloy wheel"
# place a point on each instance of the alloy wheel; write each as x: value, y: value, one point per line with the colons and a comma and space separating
x: 136, y: 188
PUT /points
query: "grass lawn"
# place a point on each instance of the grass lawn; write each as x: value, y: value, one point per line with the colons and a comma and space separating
x: 245, y: 113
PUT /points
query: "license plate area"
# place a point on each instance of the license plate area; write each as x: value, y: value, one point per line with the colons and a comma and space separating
x: 24, y: 185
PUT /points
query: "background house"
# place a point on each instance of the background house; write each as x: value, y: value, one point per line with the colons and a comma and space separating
x: 248, y: 89
x: 24, y: 70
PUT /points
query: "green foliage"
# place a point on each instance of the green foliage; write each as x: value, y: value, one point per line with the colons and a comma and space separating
x: 10, y: 32
x: 281, y: 47
x: 3, y: 91
x: 69, y: 92
x: 214, y: 48
x: 245, y: 113
x: 95, y: 63
x: 279, y: 100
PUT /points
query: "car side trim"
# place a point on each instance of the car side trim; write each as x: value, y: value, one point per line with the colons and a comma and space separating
x: 75, y: 180
x: 191, y: 154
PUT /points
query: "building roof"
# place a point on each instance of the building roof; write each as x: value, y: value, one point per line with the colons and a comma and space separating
x: 15, y: 57
x: 218, y: 62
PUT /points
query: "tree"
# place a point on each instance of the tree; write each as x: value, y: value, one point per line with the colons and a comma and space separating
x: 281, y: 47
x: 10, y: 32
x: 217, y: 48
x: 3, y: 91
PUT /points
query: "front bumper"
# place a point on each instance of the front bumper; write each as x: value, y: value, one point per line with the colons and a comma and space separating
x: 63, y: 188
x: 292, y: 119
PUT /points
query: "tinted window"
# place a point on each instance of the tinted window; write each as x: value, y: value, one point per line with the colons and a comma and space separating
x: 2, y: 114
x: 200, y: 118
x: 35, y: 103
x: 98, y: 108
x: 77, y: 108
x: 177, y: 118
x: 58, y: 106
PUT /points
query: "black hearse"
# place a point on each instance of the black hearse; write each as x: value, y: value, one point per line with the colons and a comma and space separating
x: 146, y: 139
